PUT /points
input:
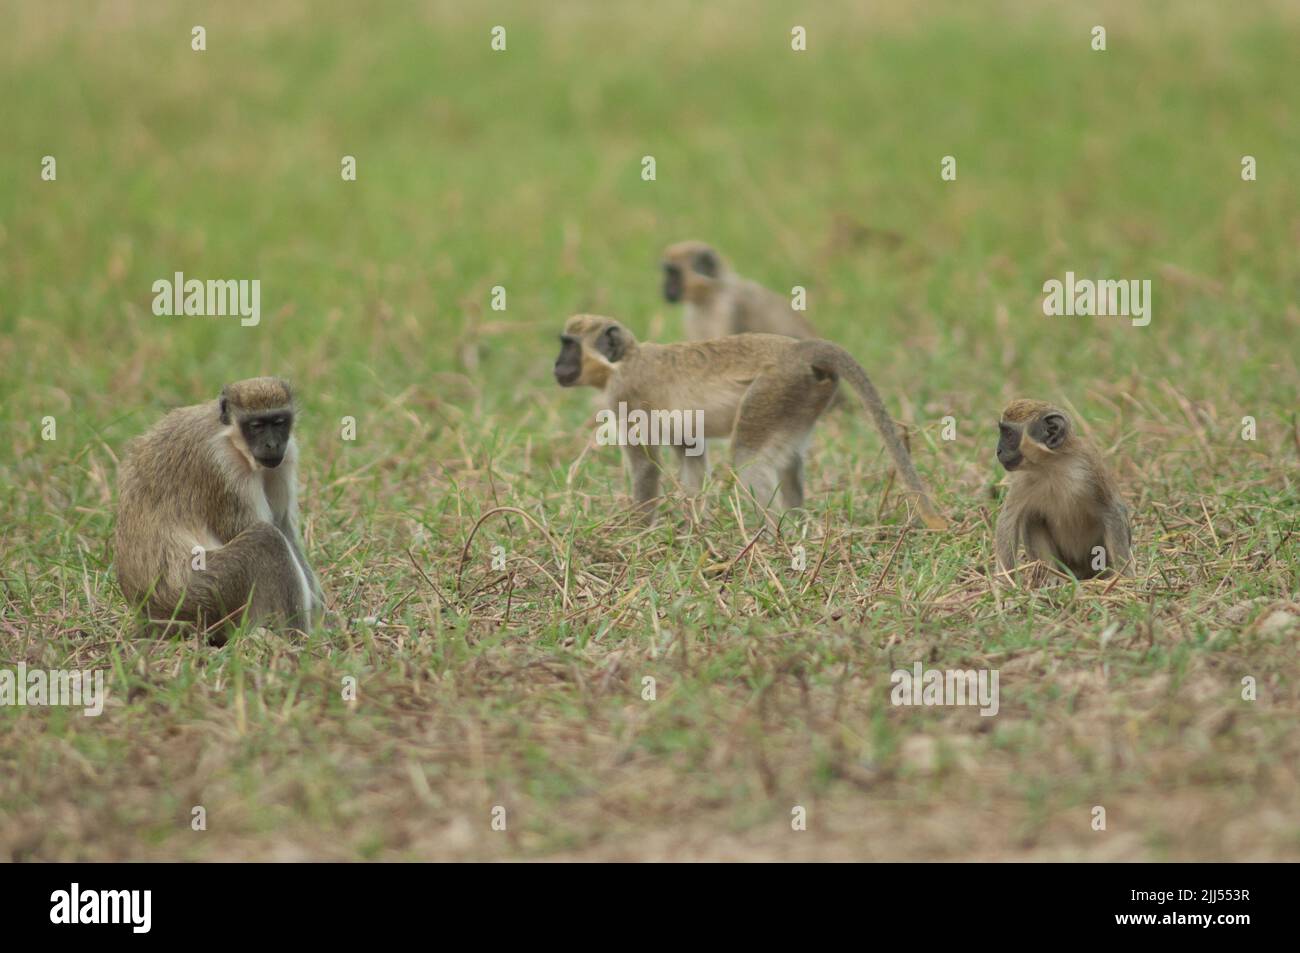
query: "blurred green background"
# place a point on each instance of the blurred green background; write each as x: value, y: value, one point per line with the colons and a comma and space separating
x: 522, y: 169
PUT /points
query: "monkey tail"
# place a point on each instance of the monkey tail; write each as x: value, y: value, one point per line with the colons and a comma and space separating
x: 833, y: 360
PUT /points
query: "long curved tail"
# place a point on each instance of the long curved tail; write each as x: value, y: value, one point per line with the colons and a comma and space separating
x: 831, y: 359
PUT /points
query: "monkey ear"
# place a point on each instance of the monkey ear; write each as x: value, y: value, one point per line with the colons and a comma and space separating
x: 1055, y: 428
x: 706, y: 263
x: 223, y: 404
x: 612, y: 344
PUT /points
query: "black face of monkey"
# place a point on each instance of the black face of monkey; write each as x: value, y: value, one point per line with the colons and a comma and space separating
x: 1047, y: 432
x: 611, y: 344
x: 568, y: 366
x: 1009, y: 454
x: 267, y: 436
x: 674, y: 286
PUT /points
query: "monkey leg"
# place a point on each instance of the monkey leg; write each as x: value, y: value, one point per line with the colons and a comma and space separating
x: 290, y: 534
x: 773, y: 424
x: 1112, y: 539
x: 643, y: 465
x: 316, y: 598
x: 1015, y: 532
x: 758, y: 472
x: 257, y: 571
x: 1006, y: 540
x: 1041, y: 547
x: 791, y: 477
x: 1117, y: 537
x: 692, y: 471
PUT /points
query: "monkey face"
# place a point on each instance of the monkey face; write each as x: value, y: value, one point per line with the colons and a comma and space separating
x: 1009, y: 436
x: 267, y: 436
x: 674, y: 284
x: 690, y: 270
x: 568, y: 366
x: 589, y: 346
x: 1035, y: 440
x: 262, y: 410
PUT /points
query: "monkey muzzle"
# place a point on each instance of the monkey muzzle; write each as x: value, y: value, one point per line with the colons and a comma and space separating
x: 1009, y: 454
x: 568, y: 366
x: 672, y: 284
x: 269, y: 453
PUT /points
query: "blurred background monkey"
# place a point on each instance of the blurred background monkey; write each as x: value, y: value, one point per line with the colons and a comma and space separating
x: 719, y: 302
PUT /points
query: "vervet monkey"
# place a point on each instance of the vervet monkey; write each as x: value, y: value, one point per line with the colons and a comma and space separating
x: 719, y: 302
x: 1062, y: 507
x: 207, y: 522
x: 764, y: 391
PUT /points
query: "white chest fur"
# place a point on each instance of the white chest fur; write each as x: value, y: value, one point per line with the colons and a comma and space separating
x: 279, y: 491
x: 1059, y: 495
x: 270, y: 496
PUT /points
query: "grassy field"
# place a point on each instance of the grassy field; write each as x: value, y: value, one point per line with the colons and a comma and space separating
x: 522, y: 688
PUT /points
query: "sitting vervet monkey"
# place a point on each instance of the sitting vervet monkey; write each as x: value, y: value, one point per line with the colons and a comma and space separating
x: 1062, y: 508
x: 719, y: 302
x: 207, y: 523
x: 764, y: 391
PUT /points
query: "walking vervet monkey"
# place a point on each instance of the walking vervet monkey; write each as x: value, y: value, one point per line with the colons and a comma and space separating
x: 719, y: 302
x: 764, y: 391
x: 1062, y: 507
x: 207, y: 522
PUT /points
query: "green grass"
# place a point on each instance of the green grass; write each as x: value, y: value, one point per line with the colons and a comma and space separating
x: 522, y: 688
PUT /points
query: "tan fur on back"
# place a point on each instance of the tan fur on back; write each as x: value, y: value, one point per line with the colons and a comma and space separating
x: 708, y: 375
